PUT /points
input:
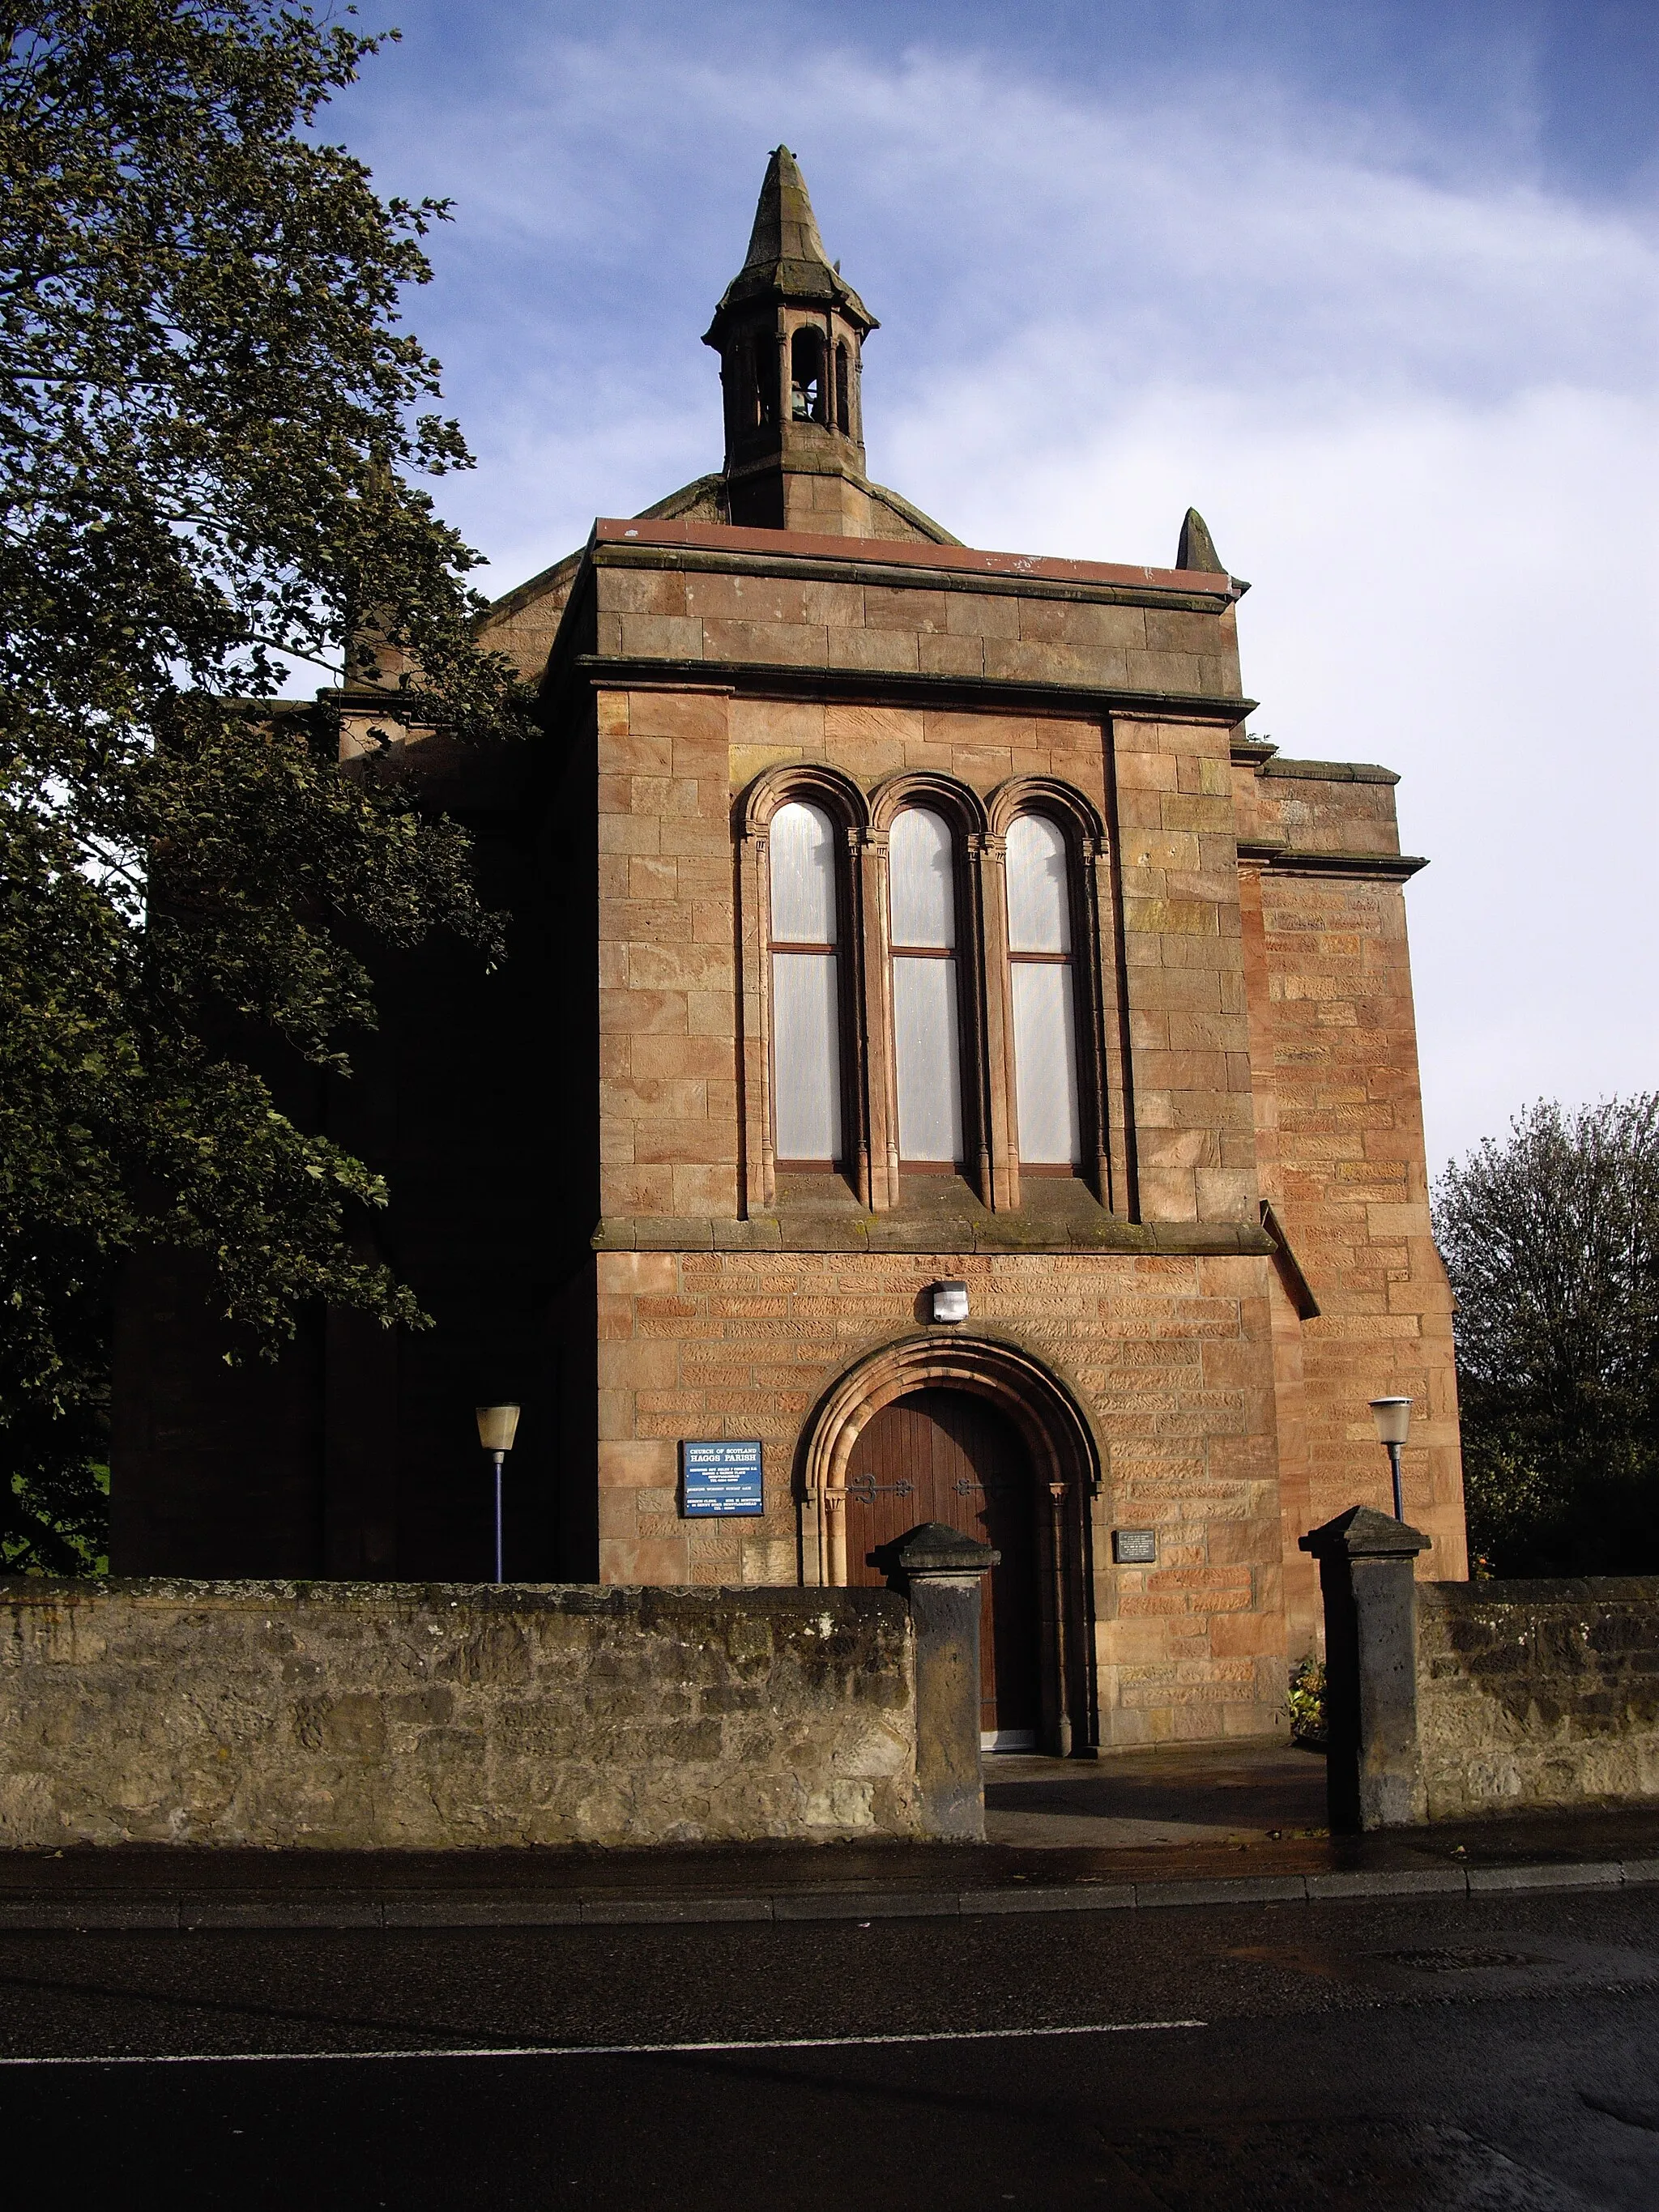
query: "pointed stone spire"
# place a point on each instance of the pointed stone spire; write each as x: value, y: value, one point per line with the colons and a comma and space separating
x: 787, y: 258
x: 785, y: 229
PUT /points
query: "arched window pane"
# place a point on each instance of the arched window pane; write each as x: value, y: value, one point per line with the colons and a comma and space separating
x: 926, y: 1028
x: 929, y: 1047
x: 803, y: 841
x: 1039, y: 910
x: 807, y: 1054
x: 923, y: 880
x: 1045, y: 1064
x: 805, y: 986
x: 1042, y: 985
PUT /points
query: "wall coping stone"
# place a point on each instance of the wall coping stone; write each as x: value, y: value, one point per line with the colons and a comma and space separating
x: 1569, y: 1593
x: 723, y: 539
x: 666, y: 1601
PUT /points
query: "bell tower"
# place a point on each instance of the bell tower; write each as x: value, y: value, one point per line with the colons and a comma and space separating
x: 788, y: 331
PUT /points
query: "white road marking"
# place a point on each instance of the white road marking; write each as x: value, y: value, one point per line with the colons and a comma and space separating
x: 604, y: 2049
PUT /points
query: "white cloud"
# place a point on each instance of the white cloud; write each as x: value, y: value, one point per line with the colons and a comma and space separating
x: 1465, y: 594
x: 1419, y: 414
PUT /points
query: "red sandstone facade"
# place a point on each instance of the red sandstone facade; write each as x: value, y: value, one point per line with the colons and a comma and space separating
x: 1179, y: 1328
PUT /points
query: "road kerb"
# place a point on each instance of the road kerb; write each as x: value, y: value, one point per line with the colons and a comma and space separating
x: 868, y: 1904
x: 1604, y: 1874
x: 1388, y: 1881
x: 102, y: 1911
x: 1257, y: 1889
x: 1052, y: 1896
x: 624, y: 1912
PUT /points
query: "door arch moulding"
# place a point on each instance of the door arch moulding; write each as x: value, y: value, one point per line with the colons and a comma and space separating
x: 1068, y: 1468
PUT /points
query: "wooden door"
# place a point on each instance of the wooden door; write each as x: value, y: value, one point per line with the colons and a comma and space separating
x: 948, y: 1456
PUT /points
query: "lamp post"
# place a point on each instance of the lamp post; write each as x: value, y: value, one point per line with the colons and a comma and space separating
x: 497, y: 1426
x: 1393, y: 1417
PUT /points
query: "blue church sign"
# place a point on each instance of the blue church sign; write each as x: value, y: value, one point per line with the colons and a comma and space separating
x: 722, y: 1477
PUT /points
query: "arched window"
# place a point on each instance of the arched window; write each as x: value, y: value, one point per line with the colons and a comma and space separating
x: 806, y: 377
x: 1043, y: 989
x: 806, y: 1086
x: 926, y: 1024
x: 844, y: 395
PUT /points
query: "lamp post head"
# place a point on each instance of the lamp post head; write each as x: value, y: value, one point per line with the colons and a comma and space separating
x: 1393, y: 1417
x: 497, y: 1426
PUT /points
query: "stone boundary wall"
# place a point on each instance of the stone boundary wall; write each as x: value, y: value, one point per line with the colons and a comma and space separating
x: 348, y: 1715
x: 1532, y: 1694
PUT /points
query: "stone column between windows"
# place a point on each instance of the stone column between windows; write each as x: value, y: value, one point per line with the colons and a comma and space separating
x: 983, y: 988
x: 875, y: 1012
x: 1090, y: 1001
x: 759, y: 1182
x: 859, y: 1144
x: 990, y: 854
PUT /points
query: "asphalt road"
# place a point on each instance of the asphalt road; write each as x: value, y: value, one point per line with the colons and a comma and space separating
x: 1487, y: 2055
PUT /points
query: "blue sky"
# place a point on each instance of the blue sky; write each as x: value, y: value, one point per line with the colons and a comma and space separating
x: 1376, y: 287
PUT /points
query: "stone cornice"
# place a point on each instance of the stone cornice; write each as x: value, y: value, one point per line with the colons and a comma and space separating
x: 1321, y: 771
x: 1285, y: 860
x: 944, y: 1237
x: 904, y: 687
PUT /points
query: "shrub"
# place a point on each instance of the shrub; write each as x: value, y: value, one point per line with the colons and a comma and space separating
x: 1305, y: 1700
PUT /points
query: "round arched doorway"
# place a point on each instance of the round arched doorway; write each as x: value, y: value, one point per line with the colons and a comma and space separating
x: 983, y: 1413
x: 952, y: 1456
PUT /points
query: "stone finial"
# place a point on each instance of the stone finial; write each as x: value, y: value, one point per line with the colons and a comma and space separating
x: 1197, y: 547
x: 1363, y: 1533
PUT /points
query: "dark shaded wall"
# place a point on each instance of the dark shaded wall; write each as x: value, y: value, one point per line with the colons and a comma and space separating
x: 356, y: 1454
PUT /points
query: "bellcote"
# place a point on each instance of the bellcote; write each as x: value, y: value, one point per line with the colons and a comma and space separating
x: 788, y: 330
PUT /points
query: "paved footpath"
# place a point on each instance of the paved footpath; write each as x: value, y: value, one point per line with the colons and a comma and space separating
x: 1229, y: 1823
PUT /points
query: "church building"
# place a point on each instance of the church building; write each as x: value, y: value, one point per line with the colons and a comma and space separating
x: 949, y: 1069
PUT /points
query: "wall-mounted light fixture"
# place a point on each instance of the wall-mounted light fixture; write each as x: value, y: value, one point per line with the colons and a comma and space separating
x: 948, y: 1301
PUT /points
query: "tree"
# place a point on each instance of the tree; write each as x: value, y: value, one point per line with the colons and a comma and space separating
x: 210, y: 418
x: 1552, y: 1242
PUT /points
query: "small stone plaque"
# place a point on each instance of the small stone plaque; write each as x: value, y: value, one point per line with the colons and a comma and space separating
x: 721, y: 1476
x: 1135, y: 1548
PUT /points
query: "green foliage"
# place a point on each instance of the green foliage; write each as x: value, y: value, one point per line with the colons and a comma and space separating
x: 1552, y: 1242
x: 208, y: 419
x: 1305, y: 1702
x: 57, y: 1523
